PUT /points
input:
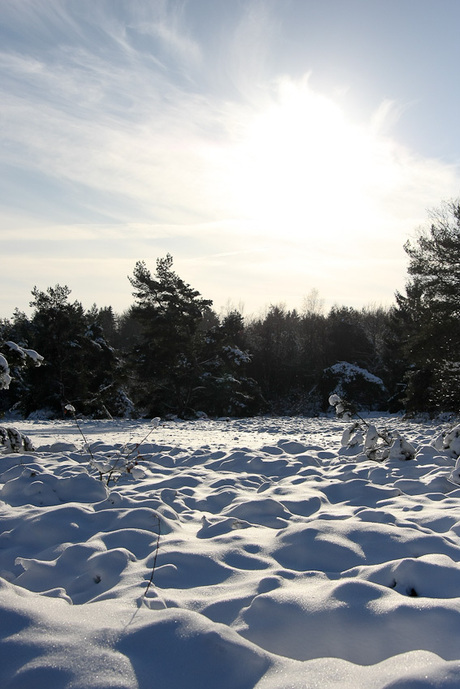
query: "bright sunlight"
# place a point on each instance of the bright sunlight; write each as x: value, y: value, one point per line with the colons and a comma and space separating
x: 303, y: 168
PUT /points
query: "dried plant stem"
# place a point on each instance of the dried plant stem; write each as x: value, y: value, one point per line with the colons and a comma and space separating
x: 125, y: 457
x: 150, y: 582
x: 152, y: 574
x: 71, y: 411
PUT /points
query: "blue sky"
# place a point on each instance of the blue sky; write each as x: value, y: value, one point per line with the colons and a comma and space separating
x: 273, y: 147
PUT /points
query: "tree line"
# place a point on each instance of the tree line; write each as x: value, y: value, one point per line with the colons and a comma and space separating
x: 171, y: 354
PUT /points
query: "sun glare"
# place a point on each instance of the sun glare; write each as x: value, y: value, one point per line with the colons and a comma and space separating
x: 303, y: 168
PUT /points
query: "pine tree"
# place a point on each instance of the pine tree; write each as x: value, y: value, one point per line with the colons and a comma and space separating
x: 16, y: 361
x: 166, y: 356
x: 430, y: 311
x: 225, y: 387
x: 80, y: 367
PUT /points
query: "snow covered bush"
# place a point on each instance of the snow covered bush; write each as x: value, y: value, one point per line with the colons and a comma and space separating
x: 342, y: 407
x: 363, y: 437
x: 5, y: 378
x: 11, y: 440
x: 449, y: 442
x: 353, y: 382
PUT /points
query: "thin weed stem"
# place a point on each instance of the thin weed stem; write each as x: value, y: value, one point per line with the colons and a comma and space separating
x: 152, y: 574
x: 154, y: 559
x: 125, y: 457
x: 71, y: 409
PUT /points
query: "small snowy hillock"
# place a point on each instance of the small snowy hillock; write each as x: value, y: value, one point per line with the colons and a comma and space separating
x: 233, y: 553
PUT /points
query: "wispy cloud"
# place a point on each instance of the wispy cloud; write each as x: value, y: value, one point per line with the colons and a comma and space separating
x: 245, y: 54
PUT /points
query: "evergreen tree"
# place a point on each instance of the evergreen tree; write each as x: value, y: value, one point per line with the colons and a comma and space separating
x: 347, y: 339
x: 166, y: 356
x: 80, y: 367
x: 225, y: 386
x: 393, y: 360
x: 430, y: 312
x: 276, y: 346
x: 18, y: 359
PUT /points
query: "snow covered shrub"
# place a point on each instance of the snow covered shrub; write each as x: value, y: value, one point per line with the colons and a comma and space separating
x: 11, y: 440
x: 353, y: 382
x: 365, y: 438
x: 401, y: 448
x: 450, y: 441
x: 342, y: 408
x: 5, y: 378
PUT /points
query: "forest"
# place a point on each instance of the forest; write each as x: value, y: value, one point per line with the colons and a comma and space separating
x: 170, y: 354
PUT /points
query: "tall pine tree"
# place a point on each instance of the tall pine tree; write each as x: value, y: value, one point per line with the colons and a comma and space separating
x: 430, y: 314
x: 165, y: 357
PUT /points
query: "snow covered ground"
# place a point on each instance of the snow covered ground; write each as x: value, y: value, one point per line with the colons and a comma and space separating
x: 279, y: 560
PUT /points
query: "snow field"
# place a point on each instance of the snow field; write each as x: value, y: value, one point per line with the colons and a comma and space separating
x: 280, y: 559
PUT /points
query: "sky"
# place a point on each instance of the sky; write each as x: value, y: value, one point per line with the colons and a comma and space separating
x: 275, y: 148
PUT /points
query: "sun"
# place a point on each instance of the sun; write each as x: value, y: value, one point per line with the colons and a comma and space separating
x: 302, y: 167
